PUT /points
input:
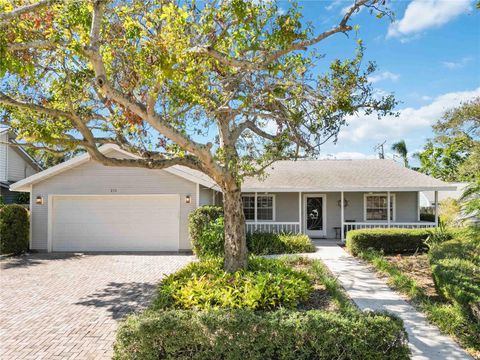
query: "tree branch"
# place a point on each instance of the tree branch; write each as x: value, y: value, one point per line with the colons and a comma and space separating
x: 4, y: 17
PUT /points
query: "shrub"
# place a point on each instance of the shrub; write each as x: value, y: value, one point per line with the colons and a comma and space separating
x: 205, y: 232
x: 456, y: 269
x: 266, y: 284
x: 14, y: 229
x: 244, y: 334
x: 270, y: 243
x: 390, y: 241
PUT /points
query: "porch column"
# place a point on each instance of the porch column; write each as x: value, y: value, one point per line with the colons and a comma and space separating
x: 436, y: 208
x: 300, y: 211
x: 342, y: 217
x: 255, y: 210
x: 418, y: 206
x: 197, y: 201
x: 388, y: 208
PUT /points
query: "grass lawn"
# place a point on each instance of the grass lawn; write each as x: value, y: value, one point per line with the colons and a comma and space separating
x: 287, y: 308
x: 412, y: 275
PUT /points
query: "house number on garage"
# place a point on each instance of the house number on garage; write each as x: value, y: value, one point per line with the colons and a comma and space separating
x: 113, y: 190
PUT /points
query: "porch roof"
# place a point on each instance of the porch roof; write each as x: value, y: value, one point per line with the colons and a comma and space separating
x: 342, y: 175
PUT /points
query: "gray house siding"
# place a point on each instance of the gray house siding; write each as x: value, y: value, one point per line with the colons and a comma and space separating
x: 286, y: 208
x: 93, y: 178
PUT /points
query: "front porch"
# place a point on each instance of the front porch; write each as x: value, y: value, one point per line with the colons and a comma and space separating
x: 330, y: 215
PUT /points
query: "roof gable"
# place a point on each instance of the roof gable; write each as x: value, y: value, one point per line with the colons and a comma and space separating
x: 24, y: 185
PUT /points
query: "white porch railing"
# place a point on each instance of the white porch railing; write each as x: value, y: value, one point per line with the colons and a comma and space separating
x: 273, y: 227
x: 369, y: 225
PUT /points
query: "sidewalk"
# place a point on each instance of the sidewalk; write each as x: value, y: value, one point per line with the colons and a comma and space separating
x: 371, y: 293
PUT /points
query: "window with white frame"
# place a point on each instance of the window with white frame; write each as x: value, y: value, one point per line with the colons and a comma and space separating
x: 264, y: 207
x: 376, y: 207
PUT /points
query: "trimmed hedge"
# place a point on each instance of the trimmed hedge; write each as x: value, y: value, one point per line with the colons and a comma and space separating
x: 269, y: 243
x: 456, y: 269
x: 390, y: 241
x: 14, y: 229
x: 266, y: 284
x: 244, y: 334
x: 207, y: 235
x: 206, y: 231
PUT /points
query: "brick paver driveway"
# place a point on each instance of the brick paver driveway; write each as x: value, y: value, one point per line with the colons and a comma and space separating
x: 66, y: 306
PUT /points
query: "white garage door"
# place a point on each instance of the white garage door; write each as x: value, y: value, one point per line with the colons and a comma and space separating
x: 115, y: 223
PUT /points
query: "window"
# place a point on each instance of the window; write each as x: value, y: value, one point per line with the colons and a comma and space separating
x: 376, y: 207
x: 265, y: 207
x: 249, y: 207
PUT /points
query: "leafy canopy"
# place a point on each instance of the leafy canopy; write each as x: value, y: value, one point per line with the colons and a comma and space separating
x: 223, y: 87
x: 454, y: 153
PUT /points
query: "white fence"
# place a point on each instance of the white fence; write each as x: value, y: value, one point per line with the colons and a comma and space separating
x: 368, y: 225
x: 273, y: 227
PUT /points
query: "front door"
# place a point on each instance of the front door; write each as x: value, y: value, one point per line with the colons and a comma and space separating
x: 315, y: 213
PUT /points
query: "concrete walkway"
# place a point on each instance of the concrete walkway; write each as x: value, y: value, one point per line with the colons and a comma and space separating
x: 371, y: 293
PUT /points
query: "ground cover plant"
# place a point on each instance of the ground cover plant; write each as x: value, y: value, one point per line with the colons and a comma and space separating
x: 308, y: 316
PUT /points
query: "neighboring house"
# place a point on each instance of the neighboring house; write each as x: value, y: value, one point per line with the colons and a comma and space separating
x: 427, y: 198
x: 15, y: 165
x: 81, y: 205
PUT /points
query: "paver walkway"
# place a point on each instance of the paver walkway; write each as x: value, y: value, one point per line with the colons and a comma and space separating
x: 68, y: 306
x: 371, y: 293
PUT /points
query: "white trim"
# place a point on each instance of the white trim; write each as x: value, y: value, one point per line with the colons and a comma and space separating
x: 300, y: 210
x: 347, y: 190
x: 389, y: 205
x: 51, y: 212
x: 380, y: 194
x: 324, y: 215
x: 22, y: 185
x: 342, y: 216
x: 30, y: 230
x: 197, y: 201
x: 436, y: 208
x: 418, y: 205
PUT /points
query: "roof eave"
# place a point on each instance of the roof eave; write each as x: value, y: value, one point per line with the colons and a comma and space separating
x: 359, y: 189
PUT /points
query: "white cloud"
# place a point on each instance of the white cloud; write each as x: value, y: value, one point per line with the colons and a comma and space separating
x: 386, y: 75
x: 452, y: 65
x: 424, y: 14
x: 410, y: 120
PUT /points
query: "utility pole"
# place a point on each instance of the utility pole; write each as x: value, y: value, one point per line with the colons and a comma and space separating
x: 379, y: 148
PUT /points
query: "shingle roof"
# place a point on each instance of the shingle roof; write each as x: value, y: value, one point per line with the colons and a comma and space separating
x: 346, y: 175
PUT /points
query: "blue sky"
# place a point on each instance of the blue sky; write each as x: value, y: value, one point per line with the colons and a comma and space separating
x: 429, y: 58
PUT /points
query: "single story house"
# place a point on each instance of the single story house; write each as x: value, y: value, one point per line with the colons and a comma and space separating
x: 15, y: 164
x: 81, y: 205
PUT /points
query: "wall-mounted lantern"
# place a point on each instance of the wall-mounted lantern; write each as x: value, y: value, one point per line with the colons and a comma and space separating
x: 188, y: 199
x: 39, y: 200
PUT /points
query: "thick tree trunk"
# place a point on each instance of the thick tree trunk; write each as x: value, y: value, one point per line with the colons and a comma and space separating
x: 235, y: 237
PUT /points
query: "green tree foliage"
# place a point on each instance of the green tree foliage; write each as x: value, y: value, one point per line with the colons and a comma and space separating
x: 225, y: 88
x: 454, y: 153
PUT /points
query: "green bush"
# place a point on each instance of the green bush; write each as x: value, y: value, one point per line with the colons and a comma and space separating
x: 245, y: 334
x: 266, y: 284
x: 206, y: 231
x: 14, y: 229
x: 390, y: 241
x: 269, y: 243
x: 207, y: 235
x: 456, y: 269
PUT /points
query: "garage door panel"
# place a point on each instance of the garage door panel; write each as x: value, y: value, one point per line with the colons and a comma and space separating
x: 115, y: 223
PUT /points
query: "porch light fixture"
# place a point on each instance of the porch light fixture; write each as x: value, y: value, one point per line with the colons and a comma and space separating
x: 188, y: 199
x: 345, y: 203
x: 39, y: 200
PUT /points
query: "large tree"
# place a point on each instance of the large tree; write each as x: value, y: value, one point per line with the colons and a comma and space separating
x: 223, y: 87
x: 454, y: 153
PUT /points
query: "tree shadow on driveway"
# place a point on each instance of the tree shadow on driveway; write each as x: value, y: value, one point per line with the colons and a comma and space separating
x: 121, y: 299
x: 27, y: 260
